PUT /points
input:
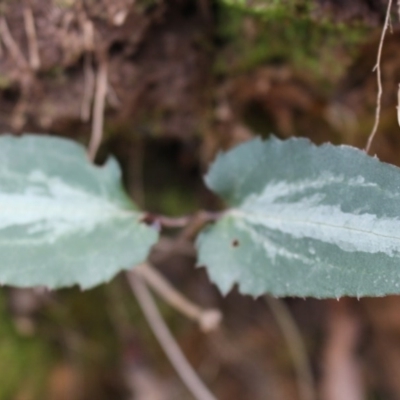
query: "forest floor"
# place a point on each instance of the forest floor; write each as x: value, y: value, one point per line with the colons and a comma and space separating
x: 184, y: 79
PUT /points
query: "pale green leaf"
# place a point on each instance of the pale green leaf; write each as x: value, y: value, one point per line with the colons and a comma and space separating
x: 304, y: 221
x: 64, y: 221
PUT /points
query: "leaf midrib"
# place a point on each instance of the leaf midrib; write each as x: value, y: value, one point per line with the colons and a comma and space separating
x: 237, y: 211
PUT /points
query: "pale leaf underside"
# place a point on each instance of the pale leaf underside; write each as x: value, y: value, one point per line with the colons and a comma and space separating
x: 304, y: 221
x: 64, y: 221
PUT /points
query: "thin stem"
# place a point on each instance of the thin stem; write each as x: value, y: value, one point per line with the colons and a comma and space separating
x: 292, y: 335
x: 98, y: 110
x: 398, y: 103
x: 88, y: 73
x: 379, y: 79
x: 398, y: 8
x: 171, y: 222
x: 34, y: 57
x: 166, y: 340
x: 208, y: 319
x: 11, y: 44
x: 197, y: 222
x: 198, y: 219
x: 88, y: 87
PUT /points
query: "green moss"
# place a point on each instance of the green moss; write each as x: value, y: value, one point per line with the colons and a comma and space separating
x: 283, y: 32
x: 56, y: 73
x: 24, y: 362
x: 80, y: 312
x: 177, y: 201
x: 144, y: 5
x: 5, y: 82
x: 65, y: 3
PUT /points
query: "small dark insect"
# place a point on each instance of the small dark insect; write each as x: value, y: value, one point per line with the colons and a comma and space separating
x: 235, y: 243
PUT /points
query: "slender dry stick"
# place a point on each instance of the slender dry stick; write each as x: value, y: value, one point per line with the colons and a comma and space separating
x: 197, y: 222
x: 34, y: 58
x: 112, y: 97
x: 88, y: 87
x: 208, y: 319
x: 191, y: 223
x: 11, y: 44
x: 342, y: 373
x: 290, y: 331
x: 398, y: 89
x: 88, y: 34
x: 398, y: 104
x: 377, y: 67
x: 88, y: 73
x: 166, y: 340
x: 98, y: 110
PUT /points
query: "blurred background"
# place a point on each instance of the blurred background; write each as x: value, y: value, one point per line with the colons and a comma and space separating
x: 186, y: 78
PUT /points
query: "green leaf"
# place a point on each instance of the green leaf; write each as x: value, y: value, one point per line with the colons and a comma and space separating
x: 64, y: 221
x: 305, y: 221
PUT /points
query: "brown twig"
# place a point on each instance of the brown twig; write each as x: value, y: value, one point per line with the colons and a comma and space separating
x: 342, y: 377
x: 197, y: 222
x: 167, y: 247
x: 11, y: 44
x: 172, y: 222
x: 98, y: 110
x: 208, y: 319
x: 88, y: 73
x: 88, y: 87
x: 88, y: 33
x: 166, y: 340
x: 398, y: 8
x: 18, y: 116
x: 377, y: 67
x: 398, y: 104
x: 112, y: 97
x: 295, y: 343
x: 192, y: 223
x: 34, y: 57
